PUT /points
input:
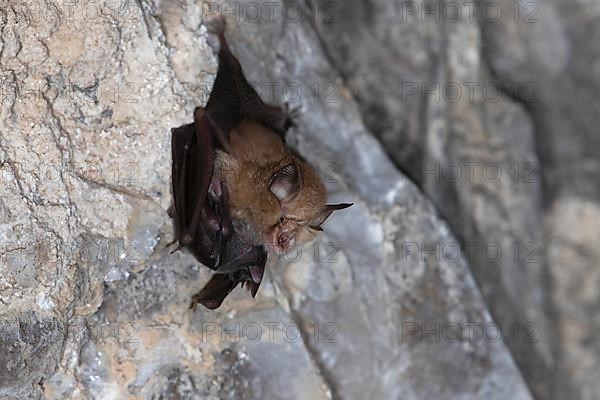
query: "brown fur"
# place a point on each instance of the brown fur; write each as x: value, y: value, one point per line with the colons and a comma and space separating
x: 256, y: 153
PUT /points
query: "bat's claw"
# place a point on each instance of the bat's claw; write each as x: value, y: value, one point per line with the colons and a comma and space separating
x: 292, y: 111
x: 196, y: 299
x: 180, y: 246
x: 291, y: 114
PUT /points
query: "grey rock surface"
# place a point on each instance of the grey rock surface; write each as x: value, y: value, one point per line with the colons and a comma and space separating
x: 93, y: 305
x: 494, y: 118
x: 559, y: 53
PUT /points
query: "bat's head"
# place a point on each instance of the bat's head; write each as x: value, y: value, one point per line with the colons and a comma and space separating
x: 303, y: 210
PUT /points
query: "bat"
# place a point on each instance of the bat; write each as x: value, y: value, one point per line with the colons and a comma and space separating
x: 238, y: 191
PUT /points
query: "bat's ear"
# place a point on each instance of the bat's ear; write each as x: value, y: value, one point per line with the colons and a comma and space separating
x: 324, y: 213
x: 286, y: 183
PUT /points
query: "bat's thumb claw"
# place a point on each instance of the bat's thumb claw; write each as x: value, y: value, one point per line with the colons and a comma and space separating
x: 179, y: 247
x: 291, y: 113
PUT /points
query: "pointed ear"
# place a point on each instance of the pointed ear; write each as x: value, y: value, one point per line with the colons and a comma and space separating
x: 324, y: 213
x: 286, y: 183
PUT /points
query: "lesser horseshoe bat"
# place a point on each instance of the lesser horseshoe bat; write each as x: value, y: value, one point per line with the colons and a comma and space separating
x: 238, y: 191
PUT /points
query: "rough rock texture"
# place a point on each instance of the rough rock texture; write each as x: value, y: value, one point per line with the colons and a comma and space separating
x: 492, y: 113
x: 559, y: 53
x: 92, y: 305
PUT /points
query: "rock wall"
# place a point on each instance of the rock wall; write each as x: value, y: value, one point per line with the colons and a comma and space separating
x: 93, y: 305
x: 491, y: 114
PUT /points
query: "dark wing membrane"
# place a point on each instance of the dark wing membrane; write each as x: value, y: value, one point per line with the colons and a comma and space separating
x: 199, y: 218
x: 214, y: 292
x: 247, y: 268
x: 233, y: 99
x: 185, y: 173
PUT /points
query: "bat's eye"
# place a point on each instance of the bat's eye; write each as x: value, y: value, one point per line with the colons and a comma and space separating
x: 281, y: 219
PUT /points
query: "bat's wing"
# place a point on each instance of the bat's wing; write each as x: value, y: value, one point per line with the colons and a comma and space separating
x: 186, y: 168
x: 247, y: 268
x: 201, y: 215
x: 234, y: 99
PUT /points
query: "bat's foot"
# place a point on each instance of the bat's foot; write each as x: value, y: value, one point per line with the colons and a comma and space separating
x: 171, y: 243
x: 180, y: 245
